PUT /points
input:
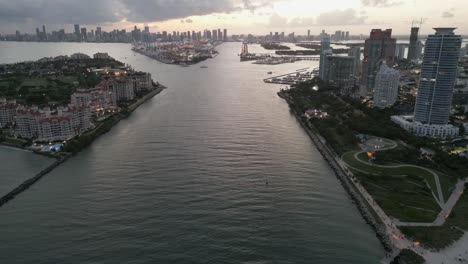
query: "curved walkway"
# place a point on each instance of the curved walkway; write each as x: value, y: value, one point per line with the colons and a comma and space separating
x: 439, y: 199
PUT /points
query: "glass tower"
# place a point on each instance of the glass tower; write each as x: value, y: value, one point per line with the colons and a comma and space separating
x: 438, y: 74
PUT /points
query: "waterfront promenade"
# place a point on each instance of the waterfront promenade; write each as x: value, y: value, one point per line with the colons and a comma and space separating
x: 387, y: 228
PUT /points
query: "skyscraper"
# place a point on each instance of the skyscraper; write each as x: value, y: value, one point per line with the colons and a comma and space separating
x: 380, y: 46
x: 413, y: 48
x: 225, y: 34
x: 44, y: 32
x: 438, y: 74
x: 77, y: 29
x: 400, y: 51
x: 325, y: 51
x: 386, y: 86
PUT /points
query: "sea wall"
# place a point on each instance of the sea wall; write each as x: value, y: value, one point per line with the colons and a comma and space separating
x: 331, y: 157
x: 29, y: 182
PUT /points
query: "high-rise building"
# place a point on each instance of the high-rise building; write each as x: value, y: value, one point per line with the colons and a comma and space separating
x: 355, y: 52
x: 308, y: 34
x: 38, y: 34
x: 339, y: 71
x: 347, y: 35
x: 98, y: 33
x: 215, y: 34
x: 84, y: 34
x: 400, y: 51
x: 412, y: 50
x: 324, y: 52
x: 379, y: 47
x: 438, y: 74
x: 44, y: 32
x: 386, y: 86
x: 225, y: 35
x: 77, y: 29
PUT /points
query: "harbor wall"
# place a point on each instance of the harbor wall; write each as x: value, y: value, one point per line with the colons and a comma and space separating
x: 29, y: 182
x: 331, y: 157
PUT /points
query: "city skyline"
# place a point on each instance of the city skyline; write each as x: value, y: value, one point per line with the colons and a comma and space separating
x: 241, y: 17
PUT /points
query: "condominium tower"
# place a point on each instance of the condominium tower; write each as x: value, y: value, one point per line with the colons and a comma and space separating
x: 438, y: 74
x: 380, y: 46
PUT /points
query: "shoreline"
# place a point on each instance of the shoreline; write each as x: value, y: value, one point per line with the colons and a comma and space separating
x: 165, y: 61
x: 59, y: 160
x: 331, y: 158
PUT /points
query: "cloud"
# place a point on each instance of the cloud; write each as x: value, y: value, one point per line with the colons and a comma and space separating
x: 448, y: 13
x: 380, y: 3
x: 111, y: 11
x: 340, y: 18
x: 278, y: 21
x: 333, y: 18
x: 188, y: 20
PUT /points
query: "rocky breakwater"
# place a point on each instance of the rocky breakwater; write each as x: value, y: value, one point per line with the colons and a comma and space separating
x: 332, y: 159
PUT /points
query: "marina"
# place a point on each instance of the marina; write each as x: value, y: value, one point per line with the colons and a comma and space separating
x: 298, y: 76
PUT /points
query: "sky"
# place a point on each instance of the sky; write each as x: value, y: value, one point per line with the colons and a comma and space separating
x: 257, y: 17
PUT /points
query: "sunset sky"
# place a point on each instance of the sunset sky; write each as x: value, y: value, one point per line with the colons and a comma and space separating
x: 238, y: 16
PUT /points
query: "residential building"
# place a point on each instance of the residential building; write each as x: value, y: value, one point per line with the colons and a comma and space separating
x: 123, y: 89
x: 45, y: 125
x: 141, y: 81
x: 339, y: 71
x: 380, y: 46
x: 436, y: 84
x: 386, y: 86
x: 413, y: 45
x: 437, y: 79
x: 27, y: 121
x: 425, y: 130
x: 325, y: 51
x: 400, y: 50
x: 100, y: 55
x: 7, y: 112
x: 79, y: 56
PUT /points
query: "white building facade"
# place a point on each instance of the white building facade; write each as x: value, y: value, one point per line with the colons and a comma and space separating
x: 386, y: 87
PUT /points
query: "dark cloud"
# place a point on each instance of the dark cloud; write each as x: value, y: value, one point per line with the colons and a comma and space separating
x: 380, y: 3
x: 110, y: 11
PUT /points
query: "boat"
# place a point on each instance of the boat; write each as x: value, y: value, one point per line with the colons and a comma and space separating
x: 203, y: 67
x: 269, y: 72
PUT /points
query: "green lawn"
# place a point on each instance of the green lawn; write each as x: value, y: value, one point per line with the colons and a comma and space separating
x: 400, y: 171
x: 443, y: 236
x: 406, y: 198
x: 35, y: 82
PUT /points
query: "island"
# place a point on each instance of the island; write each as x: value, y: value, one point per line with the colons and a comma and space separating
x: 409, y: 189
x: 58, y: 106
x: 181, y: 53
x: 274, y: 46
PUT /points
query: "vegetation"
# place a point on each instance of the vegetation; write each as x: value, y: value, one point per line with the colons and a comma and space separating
x: 402, y: 192
x: 49, y: 82
x: 407, y: 256
x: 274, y: 46
x: 79, y: 143
x: 406, y: 198
x: 442, y: 236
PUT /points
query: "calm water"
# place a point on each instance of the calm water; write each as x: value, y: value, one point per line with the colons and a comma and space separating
x: 182, y: 180
x: 17, y: 166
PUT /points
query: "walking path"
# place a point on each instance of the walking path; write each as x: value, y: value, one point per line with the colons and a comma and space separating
x: 398, y: 239
x: 439, y: 199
